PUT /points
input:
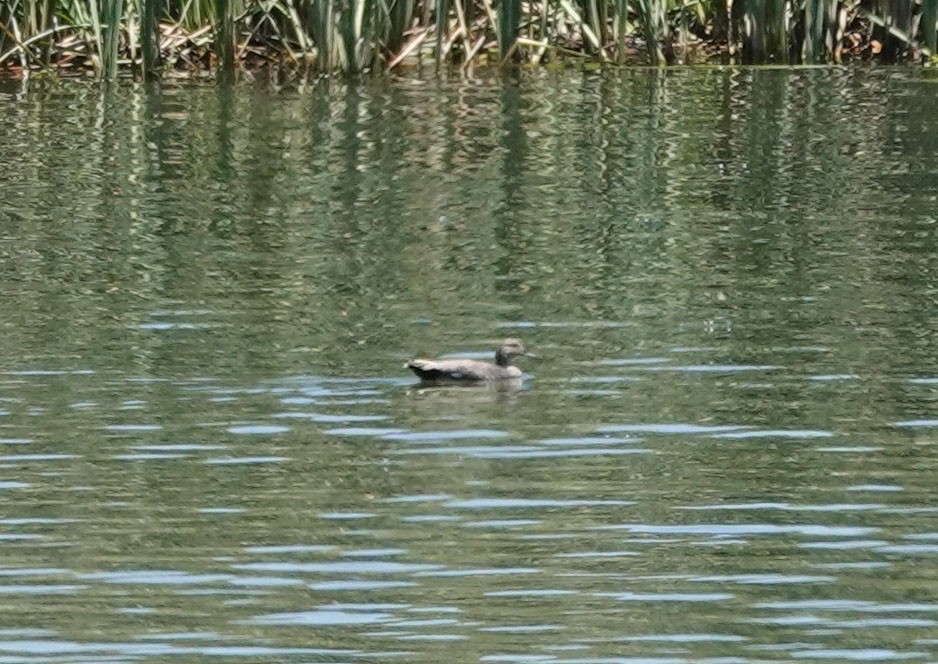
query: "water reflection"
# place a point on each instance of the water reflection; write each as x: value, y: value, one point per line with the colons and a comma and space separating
x: 209, y: 449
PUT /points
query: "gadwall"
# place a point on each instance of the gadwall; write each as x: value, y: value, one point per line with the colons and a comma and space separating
x: 471, y: 371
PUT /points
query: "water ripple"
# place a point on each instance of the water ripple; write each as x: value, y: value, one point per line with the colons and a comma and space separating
x: 489, y: 503
x: 341, y: 567
x: 676, y: 428
x: 321, y: 618
x: 720, y: 529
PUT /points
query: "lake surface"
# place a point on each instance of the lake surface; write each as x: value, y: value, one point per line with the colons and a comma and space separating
x: 728, y: 451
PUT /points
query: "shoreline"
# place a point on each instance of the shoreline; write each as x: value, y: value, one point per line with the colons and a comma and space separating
x: 383, y: 42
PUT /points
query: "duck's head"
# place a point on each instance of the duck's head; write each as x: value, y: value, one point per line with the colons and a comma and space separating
x: 510, y: 349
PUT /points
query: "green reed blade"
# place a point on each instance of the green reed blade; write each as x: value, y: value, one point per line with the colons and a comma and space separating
x: 815, y: 13
x: 653, y: 17
x: 293, y: 25
x: 929, y: 30
x: 589, y: 15
x: 622, y: 28
x: 545, y: 14
x: 112, y: 13
x: 346, y: 37
x: 442, y: 27
x: 764, y: 35
x: 322, y: 23
x: 777, y: 30
x: 151, y: 10
x: 97, y: 35
x: 315, y: 18
x: 41, y: 20
x: 369, y: 34
x: 399, y: 14
x: 365, y: 33
x: 509, y: 19
x: 598, y: 21
x: 469, y: 10
x: 765, y: 27
x: 225, y: 36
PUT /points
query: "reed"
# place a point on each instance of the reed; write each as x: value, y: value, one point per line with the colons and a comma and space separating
x: 150, y: 11
x: 929, y: 29
x: 814, y: 21
x: 621, y: 30
x: 653, y: 18
x: 776, y: 30
x: 113, y: 12
x: 509, y: 18
x: 321, y: 20
x: 225, y: 36
x: 400, y: 15
x: 361, y: 35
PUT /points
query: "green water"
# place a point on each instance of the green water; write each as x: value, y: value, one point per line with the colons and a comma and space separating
x: 210, y: 451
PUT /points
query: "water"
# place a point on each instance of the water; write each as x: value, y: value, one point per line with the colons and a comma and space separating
x: 209, y: 450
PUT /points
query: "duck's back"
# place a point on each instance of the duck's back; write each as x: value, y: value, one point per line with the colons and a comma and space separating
x: 462, y: 370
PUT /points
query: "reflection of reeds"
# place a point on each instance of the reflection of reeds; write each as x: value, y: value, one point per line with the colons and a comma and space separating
x: 358, y: 35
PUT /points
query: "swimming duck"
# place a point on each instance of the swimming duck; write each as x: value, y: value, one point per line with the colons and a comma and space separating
x: 473, y: 371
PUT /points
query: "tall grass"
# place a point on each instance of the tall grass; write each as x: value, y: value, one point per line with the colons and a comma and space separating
x: 225, y: 36
x: 361, y: 35
x: 621, y: 29
x: 110, y: 39
x: 151, y: 11
x: 929, y: 28
x: 509, y: 18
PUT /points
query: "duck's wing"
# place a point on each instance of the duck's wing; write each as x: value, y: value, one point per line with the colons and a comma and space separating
x: 447, y: 369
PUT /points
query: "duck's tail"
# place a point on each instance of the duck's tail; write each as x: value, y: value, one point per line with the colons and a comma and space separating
x: 425, y: 369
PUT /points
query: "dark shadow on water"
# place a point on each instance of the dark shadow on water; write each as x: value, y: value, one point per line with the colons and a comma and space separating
x: 477, y: 392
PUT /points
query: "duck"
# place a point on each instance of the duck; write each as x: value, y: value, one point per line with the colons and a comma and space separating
x: 459, y: 370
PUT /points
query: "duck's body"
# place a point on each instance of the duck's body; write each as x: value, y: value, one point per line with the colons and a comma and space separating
x: 461, y: 370
x: 472, y: 371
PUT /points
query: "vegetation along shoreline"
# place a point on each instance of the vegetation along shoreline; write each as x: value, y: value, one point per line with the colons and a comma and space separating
x: 150, y: 38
